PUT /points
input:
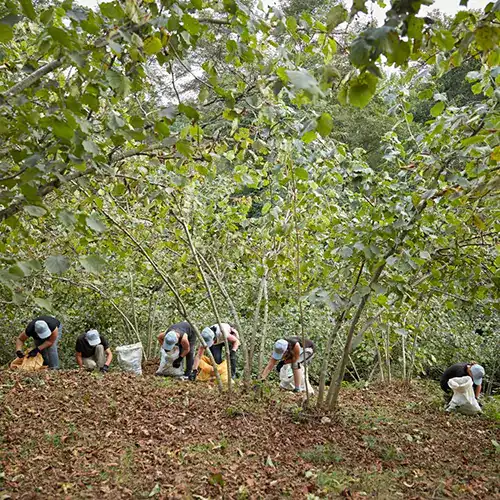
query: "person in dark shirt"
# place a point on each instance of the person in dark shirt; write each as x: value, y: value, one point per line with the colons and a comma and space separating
x: 288, y: 351
x: 92, y: 351
x: 181, y: 335
x: 473, y: 370
x: 45, y: 332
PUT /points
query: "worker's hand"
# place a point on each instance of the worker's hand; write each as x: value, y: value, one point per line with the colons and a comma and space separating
x: 177, y: 362
x: 279, y: 366
x: 105, y: 369
x: 33, y: 352
x: 20, y: 354
x: 192, y: 376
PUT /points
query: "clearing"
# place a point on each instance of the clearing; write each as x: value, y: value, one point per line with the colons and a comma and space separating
x: 76, y: 435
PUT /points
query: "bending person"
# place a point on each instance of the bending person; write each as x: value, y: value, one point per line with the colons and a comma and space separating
x: 214, y: 339
x: 290, y: 351
x: 181, y: 335
x: 45, y: 331
x: 473, y: 370
x: 92, y: 351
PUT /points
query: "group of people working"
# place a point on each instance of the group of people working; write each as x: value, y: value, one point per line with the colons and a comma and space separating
x: 94, y: 353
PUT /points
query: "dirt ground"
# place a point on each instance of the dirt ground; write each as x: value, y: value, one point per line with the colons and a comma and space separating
x: 78, y: 435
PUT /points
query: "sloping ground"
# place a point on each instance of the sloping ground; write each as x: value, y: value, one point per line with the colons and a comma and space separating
x: 76, y: 435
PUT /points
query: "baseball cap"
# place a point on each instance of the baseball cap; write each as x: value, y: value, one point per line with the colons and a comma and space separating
x: 208, y: 336
x: 280, y: 347
x: 477, y: 374
x: 93, y: 337
x: 42, y: 329
x: 169, y: 341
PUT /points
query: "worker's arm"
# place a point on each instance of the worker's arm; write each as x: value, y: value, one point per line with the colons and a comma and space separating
x: 268, y: 369
x: 20, y: 341
x: 297, y: 374
x: 79, y: 359
x: 186, y: 346
x: 199, y: 354
x: 109, y: 356
x: 161, y: 338
x: 234, y: 341
x: 50, y: 340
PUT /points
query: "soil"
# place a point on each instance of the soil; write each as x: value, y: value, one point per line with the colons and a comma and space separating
x: 79, y: 435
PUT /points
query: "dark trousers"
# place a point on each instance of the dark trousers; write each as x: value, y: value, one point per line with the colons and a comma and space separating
x: 189, y: 359
x: 217, y: 354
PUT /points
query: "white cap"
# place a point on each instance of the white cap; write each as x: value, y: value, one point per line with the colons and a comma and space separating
x: 42, y: 329
x: 93, y: 337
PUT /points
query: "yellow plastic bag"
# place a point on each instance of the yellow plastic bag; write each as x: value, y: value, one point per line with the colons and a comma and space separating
x: 206, y: 370
x: 28, y: 364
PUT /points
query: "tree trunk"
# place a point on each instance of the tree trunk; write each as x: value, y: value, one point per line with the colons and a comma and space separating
x: 263, y: 329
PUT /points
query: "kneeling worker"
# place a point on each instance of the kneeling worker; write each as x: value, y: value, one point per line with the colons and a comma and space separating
x: 214, y: 339
x: 288, y: 351
x: 183, y: 336
x: 92, y: 351
x: 473, y: 370
x: 45, y: 331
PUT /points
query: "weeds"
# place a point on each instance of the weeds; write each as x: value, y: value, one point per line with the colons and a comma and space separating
x: 491, y: 408
x: 322, y: 455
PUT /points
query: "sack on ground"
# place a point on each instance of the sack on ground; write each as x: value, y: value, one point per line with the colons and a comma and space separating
x: 28, y: 364
x: 166, y: 359
x: 464, y: 401
x: 287, y: 382
x: 130, y: 358
x: 206, y: 370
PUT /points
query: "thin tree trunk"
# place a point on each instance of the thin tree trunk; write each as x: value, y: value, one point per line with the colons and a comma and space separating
x: 355, y: 369
x: 387, y: 354
x: 263, y: 329
x: 256, y: 318
x: 379, y: 356
x: 132, y: 298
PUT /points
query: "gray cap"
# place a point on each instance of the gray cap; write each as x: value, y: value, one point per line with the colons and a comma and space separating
x: 93, y: 337
x: 169, y: 341
x: 42, y: 329
x: 208, y: 336
x: 477, y: 374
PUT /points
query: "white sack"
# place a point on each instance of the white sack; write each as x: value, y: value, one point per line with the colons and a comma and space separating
x: 464, y: 401
x: 166, y: 359
x: 130, y: 358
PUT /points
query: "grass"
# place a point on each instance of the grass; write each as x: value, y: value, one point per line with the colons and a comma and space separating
x: 322, y: 455
x: 491, y: 408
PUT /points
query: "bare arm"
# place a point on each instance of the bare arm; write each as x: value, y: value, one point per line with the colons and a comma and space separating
x: 186, y: 346
x: 50, y: 340
x: 20, y: 341
x: 478, y: 390
x: 161, y: 338
x: 79, y: 360
x: 199, y: 354
x: 109, y: 356
x: 232, y: 339
x: 268, y: 369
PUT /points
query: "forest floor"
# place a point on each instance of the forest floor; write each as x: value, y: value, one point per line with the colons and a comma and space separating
x: 78, y: 435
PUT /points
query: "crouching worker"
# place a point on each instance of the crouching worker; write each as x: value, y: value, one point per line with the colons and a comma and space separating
x: 473, y: 370
x: 93, y: 352
x: 290, y: 351
x: 45, y: 331
x: 214, y: 338
x: 183, y: 336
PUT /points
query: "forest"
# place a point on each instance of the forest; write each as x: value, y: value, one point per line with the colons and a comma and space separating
x: 291, y: 168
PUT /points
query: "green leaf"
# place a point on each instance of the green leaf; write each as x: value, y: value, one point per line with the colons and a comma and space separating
x: 437, y: 109
x: 362, y: 89
x: 360, y: 52
x: 118, y: 82
x: 266, y: 207
x: 192, y: 25
x: 95, y: 223
x: 302, y: 80
x: 61, y: 36
x: 112, y: 10
x: 301, y: 173
x: 67, y: 218
x: 6, y: 33
x: 56, y: 264
x: 152, y: 45
x: 291, y: 24
x: 28, y: 9
x: 308, y: 137
x: 93, y: 263
x: 43, y: 303
x: 35, y: 211
x: 184, y: 148
x: 324, y: 125
x: 91, y: 147
x: 337, y: 15
x: 189, y: 111
x: 62, y: 130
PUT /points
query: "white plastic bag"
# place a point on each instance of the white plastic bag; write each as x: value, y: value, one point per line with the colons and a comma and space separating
x: 287, y: 382
x: 464, y: 401
x: 130, y: 358
x: 166, y: 359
